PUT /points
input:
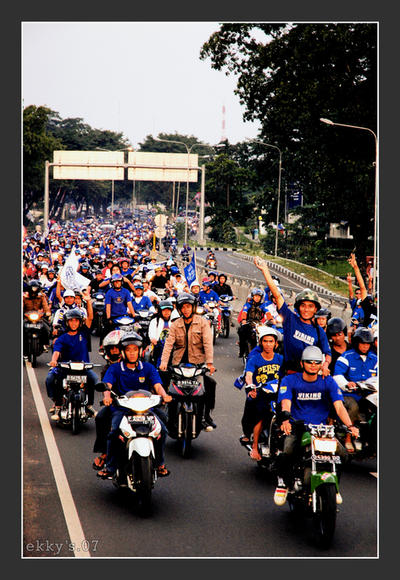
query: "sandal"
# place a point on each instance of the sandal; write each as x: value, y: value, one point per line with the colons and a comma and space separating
x: 105, y: 474
x: 99, y: 462
x: 162, y: 471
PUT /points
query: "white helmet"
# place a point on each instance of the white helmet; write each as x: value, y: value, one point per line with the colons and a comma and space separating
x: 266, y: 331
x: 312, y: 353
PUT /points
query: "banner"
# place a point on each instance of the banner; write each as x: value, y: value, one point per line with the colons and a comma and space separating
x: 190, y: 271
x: 70, y: 277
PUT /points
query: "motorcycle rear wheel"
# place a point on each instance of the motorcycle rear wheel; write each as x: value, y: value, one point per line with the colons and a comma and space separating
x: 325, y: 517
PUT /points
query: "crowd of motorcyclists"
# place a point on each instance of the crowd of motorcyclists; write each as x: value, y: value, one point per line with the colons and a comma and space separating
x: 317, y: 360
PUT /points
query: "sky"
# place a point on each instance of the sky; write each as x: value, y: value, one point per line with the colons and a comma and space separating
x: 138, y: 78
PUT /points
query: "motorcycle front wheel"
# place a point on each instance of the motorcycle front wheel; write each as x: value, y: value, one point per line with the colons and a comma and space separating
x: 325, y: 516
x: 75, y: 419
x: 226, y: 326
x: 142, y: 468
x: 187, y: 435
x: 35, y: 350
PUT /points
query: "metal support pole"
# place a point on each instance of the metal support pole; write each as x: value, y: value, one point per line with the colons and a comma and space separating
x: 46, y: 196
x: 202, y: 201
x: 112, y: 200
x: 277, y: 210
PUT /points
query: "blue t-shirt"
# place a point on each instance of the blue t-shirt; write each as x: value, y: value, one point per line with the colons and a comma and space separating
x: 73, y: 347
x: 264, y: 370
x: 311, y: 402
x: 208, y: 296
x: 124, y: 379
x: 119, y: 300
x: 297, y: 335
x: 143, y: 304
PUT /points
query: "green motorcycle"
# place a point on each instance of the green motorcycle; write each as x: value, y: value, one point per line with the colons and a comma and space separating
x: 315, y: 491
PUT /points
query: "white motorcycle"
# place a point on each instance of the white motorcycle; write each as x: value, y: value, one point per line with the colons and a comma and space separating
x: 138, y: 430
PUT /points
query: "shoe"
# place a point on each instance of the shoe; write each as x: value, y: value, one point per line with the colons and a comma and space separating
x: 91, y: 411
x: 339, y: 499
x: 281, y: 492
x: 52, y: 409
x: 208, y: 420
x: 45, y: 348
x: 349, y: 447
x: 206, y: 426
x: 56, y: 415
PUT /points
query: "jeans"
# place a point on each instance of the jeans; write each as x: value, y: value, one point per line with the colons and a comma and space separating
x: 55, y: 389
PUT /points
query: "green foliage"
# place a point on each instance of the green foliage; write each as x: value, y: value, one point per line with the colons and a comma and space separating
x: 298, y: 74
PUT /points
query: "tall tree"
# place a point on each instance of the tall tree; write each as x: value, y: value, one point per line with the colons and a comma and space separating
x: 297, y: 74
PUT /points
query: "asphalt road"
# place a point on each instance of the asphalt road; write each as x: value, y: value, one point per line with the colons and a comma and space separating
x: 217, y: 504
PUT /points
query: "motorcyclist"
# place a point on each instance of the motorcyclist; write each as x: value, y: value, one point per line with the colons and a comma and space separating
x: 260, y: 369
x: 299, y: 328
x: 253, y: 312
x: 68, y: 302
x: 158, y: 332
x: 336, y: 331
x: 71, y: 346
x: 222, y: 288
x: 306, y: 396
x: 357, y: 364
x: 322, y: 316
x: 117, y: 301
x: 110, y: 349
x: 190, y: 341
x: 131, y: 374
x: 34, y: 299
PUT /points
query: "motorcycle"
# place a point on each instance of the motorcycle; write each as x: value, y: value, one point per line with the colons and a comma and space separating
x: 33, y: 328
x: 365, y: 445
x: 212, y: 313
x: 98, y: 304
x: 73, y: 408
x: 315, y: 479
x: 125, y: 323
x: 136, y: 470
x: 185, y: 411
x: 226, y: 313
x: 270, y: 439
x: 142, y: 321
x: 211, y: 263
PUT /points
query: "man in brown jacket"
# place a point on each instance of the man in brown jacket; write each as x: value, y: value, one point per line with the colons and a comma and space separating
x: 190, y: 341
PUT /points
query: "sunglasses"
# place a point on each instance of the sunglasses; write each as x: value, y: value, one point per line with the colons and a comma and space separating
x: 313, y: 362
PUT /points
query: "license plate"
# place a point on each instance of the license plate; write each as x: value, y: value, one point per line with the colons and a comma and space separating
x: 137, y: 419
x: 31, y: 325
x: 77, y: 378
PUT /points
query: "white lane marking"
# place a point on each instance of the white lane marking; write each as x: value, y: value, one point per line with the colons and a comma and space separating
x: 374, y: 474
x: 75, y: 530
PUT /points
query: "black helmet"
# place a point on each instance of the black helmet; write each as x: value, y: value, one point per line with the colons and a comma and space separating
x: 184, y: 298
x: 362, y: 334
x: 34, y: 287
x: 165, y: 304
x: 335, y: 325
x: 307, y: 295
x: 323, y: 312
x: 131, y: 338
x: 74, y: 313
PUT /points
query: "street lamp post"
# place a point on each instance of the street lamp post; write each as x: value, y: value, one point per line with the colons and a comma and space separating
x: 188, y: 150
x: 328, y: 122
x: 279, y: 189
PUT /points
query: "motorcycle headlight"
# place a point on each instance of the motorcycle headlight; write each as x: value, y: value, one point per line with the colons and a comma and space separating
x: 325, y: 445
x: 33, y: 317
x: 77, y: 366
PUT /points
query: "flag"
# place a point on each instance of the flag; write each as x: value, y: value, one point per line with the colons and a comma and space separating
x: 190, y: 271
x: 47, y: 247
x: 70, y: 277
x: 281, y: 227
x: 102, y: 250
